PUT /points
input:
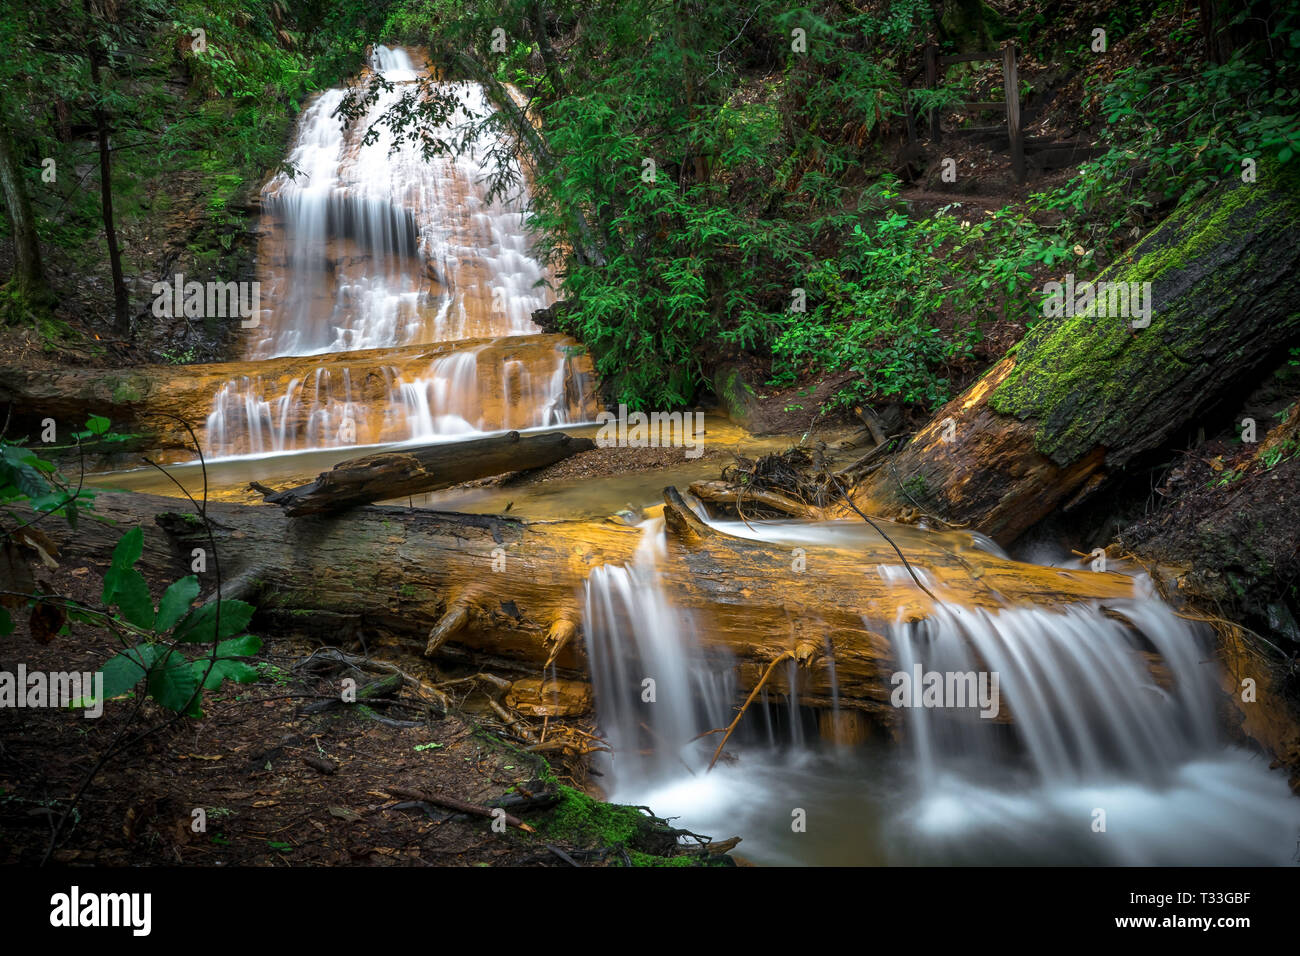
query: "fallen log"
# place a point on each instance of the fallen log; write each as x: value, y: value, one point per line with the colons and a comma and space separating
x: 1084, y: 394
x: 395, y: 474
x: 739, y: 497
x: 515, y: 587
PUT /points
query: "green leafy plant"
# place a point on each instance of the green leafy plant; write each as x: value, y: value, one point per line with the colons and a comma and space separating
x: 1280, y: 453
x: 27, y: 477
x: 1227, y: 477
x: 163, y: 644
x: 173, y: 678
x: 1172, y: 134
x: 874, y: 308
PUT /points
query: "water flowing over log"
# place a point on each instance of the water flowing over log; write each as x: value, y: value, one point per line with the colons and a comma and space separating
x: 394, y: 474
x: 509, y: 591
x: 363, y: 397
x: 1084, y: 394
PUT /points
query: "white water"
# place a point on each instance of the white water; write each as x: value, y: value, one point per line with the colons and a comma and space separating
x: 370, y: 247
x: 634, y: 635
x: 408, y: 215
x: 1095, y: 727
x: 842, y: 534
x: 451, y: 395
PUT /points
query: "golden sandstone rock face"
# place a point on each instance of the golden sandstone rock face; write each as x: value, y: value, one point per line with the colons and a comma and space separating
x: 373, y: 396
x: 295, y: 402
x: 369, y: 251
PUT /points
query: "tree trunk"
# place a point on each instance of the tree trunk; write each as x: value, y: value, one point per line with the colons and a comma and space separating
x: 30, y: 285
x: 1081, y: 396
x: 121, y: 304
x: 508, y: 592
x: 396, y: 474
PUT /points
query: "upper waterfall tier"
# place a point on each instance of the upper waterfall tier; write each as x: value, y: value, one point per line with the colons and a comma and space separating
x: 371, y: 246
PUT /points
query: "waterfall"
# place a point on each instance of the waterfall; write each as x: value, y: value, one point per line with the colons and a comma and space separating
x: 1083, y: 700
x: 411, y: 244
x: 514, y: 383
x: 654, y: 691
x: 1103, y: 748
x: 447, y: 400
x: 369, y: 246
x: 1110, y: 756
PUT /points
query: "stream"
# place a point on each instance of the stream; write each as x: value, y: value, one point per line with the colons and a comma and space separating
x: 1114, y: 751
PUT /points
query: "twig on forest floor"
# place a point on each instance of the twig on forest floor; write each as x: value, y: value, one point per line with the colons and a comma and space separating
x: 464, y: 806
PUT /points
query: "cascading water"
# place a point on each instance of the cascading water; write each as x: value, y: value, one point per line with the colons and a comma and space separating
x: 1100, y: 755
x: 1103, y: 748
x: 1085, y: 704
x: 654, y: 691
x: 522, y: 382
x: 367, y: 246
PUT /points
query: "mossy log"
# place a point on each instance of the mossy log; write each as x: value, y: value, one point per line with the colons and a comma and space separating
x: 1085, y: 394
x: 508, y: 592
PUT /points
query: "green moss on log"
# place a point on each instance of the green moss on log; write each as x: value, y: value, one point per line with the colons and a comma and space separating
x: 583, y: 820
x: 1223, y: 298
x: 588, y: 823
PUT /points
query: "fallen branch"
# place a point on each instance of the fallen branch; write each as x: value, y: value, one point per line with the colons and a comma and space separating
x: 428, y: 694
x: 788, y: 655
x: 729, y: 493
x: 881, y: 531
x: 369, y: 693
x: 455, y: 803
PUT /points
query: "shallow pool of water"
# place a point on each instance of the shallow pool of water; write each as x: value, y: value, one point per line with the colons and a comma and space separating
x: 867, y: 808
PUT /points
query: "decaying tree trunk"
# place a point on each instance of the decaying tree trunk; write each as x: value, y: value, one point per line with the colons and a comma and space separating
x: 412, y: 471
x: 509, y: 592
x: 1083, y: 394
